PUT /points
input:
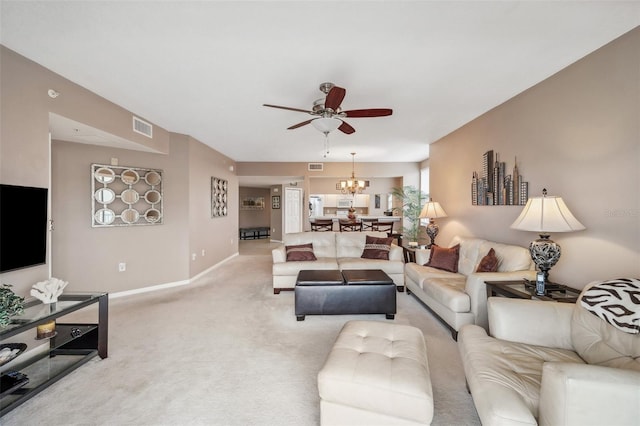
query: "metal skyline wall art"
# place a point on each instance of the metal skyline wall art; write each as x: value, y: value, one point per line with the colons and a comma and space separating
x: 493, y: 187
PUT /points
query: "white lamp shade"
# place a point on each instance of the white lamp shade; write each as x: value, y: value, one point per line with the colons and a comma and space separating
x: 545, y: 215
x: 326, y: 125
x: 432, y: 210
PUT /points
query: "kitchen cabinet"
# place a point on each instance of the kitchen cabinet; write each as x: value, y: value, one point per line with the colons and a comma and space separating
x: 330, y: 200
x: 361, y: 201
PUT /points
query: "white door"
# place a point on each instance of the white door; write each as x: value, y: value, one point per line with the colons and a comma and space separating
x: 293, y: 210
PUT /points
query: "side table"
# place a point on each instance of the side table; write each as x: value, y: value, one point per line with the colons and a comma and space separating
x: 527, y: 290
x: 410, y: 252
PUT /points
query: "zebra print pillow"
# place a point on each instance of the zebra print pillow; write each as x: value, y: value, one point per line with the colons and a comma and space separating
x: 617, y: 302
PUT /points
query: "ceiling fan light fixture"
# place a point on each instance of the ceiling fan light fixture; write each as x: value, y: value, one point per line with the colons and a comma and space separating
x: 326, y: 125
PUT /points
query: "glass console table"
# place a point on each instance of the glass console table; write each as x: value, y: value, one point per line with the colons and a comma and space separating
x: 526, y: 290
x: 72, y: 346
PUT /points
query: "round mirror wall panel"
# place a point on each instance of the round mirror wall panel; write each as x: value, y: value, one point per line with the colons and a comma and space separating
x: 130, y: 177
x: 152, y: 196
x: 105, y: 216
x: 130, y: 216
x: 104, y: 175
x: 104, y: 195
x: 153, y: 178
x: 129, y: 196
x: 126, y: 196
x: 152, y: 215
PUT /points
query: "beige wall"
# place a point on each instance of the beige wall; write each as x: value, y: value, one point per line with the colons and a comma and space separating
x: 576, y: 134
x: 251, y: 218
x: 85, y: 256
x: 218, y: 236
x: 88, y: 257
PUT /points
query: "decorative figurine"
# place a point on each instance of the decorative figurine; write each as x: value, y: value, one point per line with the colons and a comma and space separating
x: 49, y: 290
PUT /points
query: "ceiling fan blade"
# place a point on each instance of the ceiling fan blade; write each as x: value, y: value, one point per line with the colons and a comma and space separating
x: 288, y: 108
x: 334, y: 98
x: 346, y: 128
x: 372, y: 112
x: 304, y: 123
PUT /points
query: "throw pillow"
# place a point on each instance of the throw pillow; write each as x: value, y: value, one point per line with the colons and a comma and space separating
x: 300, y: 252
x: 489, y: 263
x: 376, y: 248
x: 444, y: 258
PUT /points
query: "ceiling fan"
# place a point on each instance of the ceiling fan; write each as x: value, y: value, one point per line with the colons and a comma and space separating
x: 327, y: 113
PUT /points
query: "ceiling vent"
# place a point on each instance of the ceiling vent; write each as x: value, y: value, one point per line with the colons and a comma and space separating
x: 315, y: 167
x: 142, y: 127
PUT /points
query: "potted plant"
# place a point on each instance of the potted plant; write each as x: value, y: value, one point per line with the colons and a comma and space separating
x: 10, y: 305
x: 412, y: 200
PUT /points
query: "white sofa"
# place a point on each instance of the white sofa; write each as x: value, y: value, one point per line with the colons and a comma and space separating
x: 461, y: 298
x: 551, y: 363
x: 333, y: 250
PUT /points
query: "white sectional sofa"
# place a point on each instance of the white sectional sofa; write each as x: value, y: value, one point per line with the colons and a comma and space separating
x: 333, y: 250
x: 461, y: 298
x: 551, y: 363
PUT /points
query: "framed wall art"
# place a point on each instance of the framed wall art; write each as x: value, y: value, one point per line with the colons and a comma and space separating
x: 252, y: 203
x: 219, y: 196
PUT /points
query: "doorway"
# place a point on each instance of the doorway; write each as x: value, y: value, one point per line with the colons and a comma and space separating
x: 293, y: 210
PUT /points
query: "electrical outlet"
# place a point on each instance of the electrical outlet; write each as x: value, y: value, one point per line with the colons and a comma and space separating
x: 203, y: 252
x: 193, y: 256
x: 122, y: 267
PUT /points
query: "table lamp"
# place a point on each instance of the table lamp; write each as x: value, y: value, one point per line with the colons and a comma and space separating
x: 544, y: 215
x: 432, y: 210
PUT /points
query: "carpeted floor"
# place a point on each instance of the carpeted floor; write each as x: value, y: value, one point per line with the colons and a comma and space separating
x: 226, y: 351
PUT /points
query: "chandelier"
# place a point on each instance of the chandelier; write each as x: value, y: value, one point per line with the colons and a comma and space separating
x: 352, y: 185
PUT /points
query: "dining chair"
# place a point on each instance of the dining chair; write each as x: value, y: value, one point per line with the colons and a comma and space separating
x: 350, y: 225
x: 322, y: 225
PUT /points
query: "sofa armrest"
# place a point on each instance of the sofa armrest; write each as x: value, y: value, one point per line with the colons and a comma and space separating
x: 279, y: 255
x: 532, y: 322
x: 396, y: 253
x: 477, y: 290
x: 422, y: 256
x: 583, y: 394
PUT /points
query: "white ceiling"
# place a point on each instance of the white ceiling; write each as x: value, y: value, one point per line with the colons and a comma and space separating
x: 205, y: 68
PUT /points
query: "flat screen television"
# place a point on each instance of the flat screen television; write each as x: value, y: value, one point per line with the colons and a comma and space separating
x: 23, y: 227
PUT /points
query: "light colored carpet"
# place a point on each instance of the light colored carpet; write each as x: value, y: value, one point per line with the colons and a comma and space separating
x: 226, y: 351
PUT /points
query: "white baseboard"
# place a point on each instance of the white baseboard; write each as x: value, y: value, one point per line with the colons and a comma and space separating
x: 171, y: 284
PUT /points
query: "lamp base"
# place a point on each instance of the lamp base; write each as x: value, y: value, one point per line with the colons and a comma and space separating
x: 432, y: 231
x: 545, y: 253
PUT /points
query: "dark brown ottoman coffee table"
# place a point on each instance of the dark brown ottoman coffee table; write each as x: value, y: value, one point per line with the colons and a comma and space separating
x: 326, y: 292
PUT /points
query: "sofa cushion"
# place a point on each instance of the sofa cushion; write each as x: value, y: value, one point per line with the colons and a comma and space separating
x: 444, y: 258
x: 601, y: 343
x: 300, y: 252
x: 376, y: 248
x: 449, y: 292
x: 470, y: 253
x: 418, y: 273
x: 292, y: 268
x: 389, y: 267
x: 324, y: 243
x: 504, y: 375
x: 489, y: 263
x: 510, y: 257
x: 351, y: 244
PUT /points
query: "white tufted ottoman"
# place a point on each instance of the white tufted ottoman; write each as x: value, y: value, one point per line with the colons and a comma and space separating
x: 376, y: 374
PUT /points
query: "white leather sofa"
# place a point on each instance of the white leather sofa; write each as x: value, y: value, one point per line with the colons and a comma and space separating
x: 333, y: 250
x: 551, y: 363
x: 461, y: 298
